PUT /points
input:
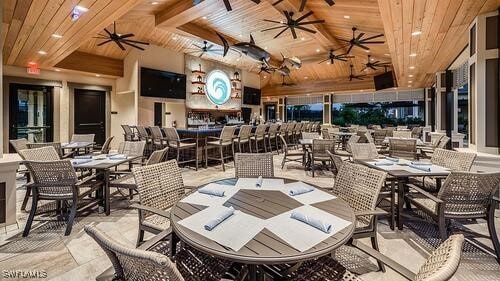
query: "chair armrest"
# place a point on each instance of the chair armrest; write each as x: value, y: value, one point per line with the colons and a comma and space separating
x: 425, y: 193
x: 68, y: 155
x: 376, y: 212
x: 157, y: 238
x: 214, y: 138
x: 494, y: 198
x: 385, y: 260
x: 159, y: 212
x: 187, y: 139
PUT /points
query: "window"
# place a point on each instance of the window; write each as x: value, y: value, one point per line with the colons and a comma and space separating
x: 305, y: 112
x: 378, y: 113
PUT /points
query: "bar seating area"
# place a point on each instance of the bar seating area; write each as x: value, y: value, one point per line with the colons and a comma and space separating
x: 263, y: 140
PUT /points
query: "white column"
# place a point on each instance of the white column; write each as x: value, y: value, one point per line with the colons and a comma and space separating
x: 440, y: 90
x: 327, y: 109
x: 455, y: 109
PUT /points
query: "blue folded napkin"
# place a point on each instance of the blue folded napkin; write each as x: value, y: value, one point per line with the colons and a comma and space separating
x: 118, y: 156
x: 211, y: 191
x: 83, y: 157
x: 258, y: 183
x: 297, y: 190
x: 424, y: 168
x: 384, y: 163
x: 80, y: 161
x: 392, y: 159
x: 222, y: 216
x: 418, y: 163
x: 325, y: 227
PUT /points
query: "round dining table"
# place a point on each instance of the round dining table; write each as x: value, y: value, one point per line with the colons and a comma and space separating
x: 265, y: 248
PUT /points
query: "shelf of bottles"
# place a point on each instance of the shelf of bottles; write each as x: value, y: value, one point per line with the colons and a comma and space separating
x: 197, y: 81
x: 236, y: 86
x: 208, y: 118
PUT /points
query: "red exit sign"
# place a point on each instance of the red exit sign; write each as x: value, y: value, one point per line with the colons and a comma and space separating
x: 33, y: 70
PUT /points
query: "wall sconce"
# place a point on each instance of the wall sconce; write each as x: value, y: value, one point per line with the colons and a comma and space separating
x: 237, y: 75
x: 200, y: 79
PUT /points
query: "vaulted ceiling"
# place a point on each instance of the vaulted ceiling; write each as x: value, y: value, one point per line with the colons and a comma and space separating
x: 438, y: 27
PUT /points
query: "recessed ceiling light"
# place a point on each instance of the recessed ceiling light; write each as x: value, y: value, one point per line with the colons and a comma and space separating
x: 237, y: 59
x: 394, y: 88
x: 410, y: 82
x: 175, y: 38
x: 265, y: 48
x: 302, y: 38
x: 154, y: 3
x: 305, y: 77
x: 77, y: 12
x: 413, y: 55
x: 366, y: 69
x: 55, y: 35
x: 387, y: 55
x: 97, y: 75
x: 265, y: 77
x: 327, y: 62
x: 412, y: 67
x: 204, y: 18
x: 318, y: 50
x: 367, y: 51
x: 42, y: 52
x: 409, y: 86
x: 31, y: 63
x: 361, y: 90
x: 415, y: 33
x: 81, y: 8
x: 347, y: 17
x: 308, y: 94
x: 372, y: 59
x: 57, y: 69
x: 411, y: 75
x: 240, y: 35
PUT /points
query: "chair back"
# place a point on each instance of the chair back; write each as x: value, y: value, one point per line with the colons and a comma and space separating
x: 352, y: 139
x: 254, y: 165
x: 46, y: 153
x: 364, y: 151
x: 314, y: 127
x: 416, y: 132
x: 379, y: 136
x: 227, y: 133
x: 53, y: 178
x: 156, y: 133
x: 435, y: 138
x: 443, y: 262
x: 55, y: 145
x: 172, y: 136
x: 283, y: 128
x: 468, y: 194
x: 157, y: 156
x: 261, y: 130
x: 390, y: 131
x: 324, y: 133
x: 143, y: 134
x: 308, y: 126
x: 245, y: 132
x: 19, y: 144
x: 310, y: 136
x: 443, y: 142
x: 402, y: 127
x: 106, y: 146
x: 320, y: 147
x: 336, y: 162
x: 376, y: 127
x: 406, y: 148
x: 159, y: 185
x: 273, y: 130
x: 402, y: 134
x: 82, y: 138
x: 127, y: 130
x: 132, y: 148
x: 134, y: 264
x: 453, y: 160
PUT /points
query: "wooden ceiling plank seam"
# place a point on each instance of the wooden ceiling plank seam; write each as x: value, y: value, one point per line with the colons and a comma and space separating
x: 418, y: 15
x: 385, y: 12
x: 407, y: 8
x: 430, y: 10
x: 8, y: 10
x: 20, y: 11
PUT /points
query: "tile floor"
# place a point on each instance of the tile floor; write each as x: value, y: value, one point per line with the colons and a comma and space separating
x: 78, y: 257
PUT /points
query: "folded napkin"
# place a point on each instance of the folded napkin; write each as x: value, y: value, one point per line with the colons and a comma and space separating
x: 83, y: 157
x: 419, y: 163
x: 117, y: 156
x: 80, y: 161
x: 301, y: 189
x: 222, y: 216
x: 384, y: 163
x: 325, y: 227
x: 258, y: 183
x: 392, y: 159
x: 424, y: 168
x: 210, y: 190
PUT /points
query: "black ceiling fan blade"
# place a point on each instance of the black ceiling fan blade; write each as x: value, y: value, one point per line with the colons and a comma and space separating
x: 304, y: 16
x: 107, y: 31
x: 256, y: 1
x: 302, y: 5
x: 375, y: 62
x: 272, y: 28
x: 104, y: 42
x: 359, y: 36
x: 347, y: 57
x: 358, y: 77
x: 274, y: 21
x: 135, y: 46
x: 281, y: 32
x: 210, y: 47
x: 306, y: 29
x: 373, y: 67
x: 350, y: 48
x: 311, y: 22
x: 119, y: 45
x: 228, y: 5
x: 126, y: 35
x: 372, y: 42
x: 288, y: 16
x: 364, y: 68
x: 330, y: 2
x: 373, y: 37
x: 342, y: 59
x: 277, y: 2
x: 323, y: 61
x: 293, y: 32
x: 135, y: 41
x: 200, y: 55
x: 363, y: 47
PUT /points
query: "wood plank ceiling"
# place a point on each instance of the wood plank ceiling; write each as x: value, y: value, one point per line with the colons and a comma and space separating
x: 28, y: 27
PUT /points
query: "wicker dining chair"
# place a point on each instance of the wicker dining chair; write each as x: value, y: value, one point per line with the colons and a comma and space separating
x: 19, y: 144
x: 319, y: 152
x: 404, y: 148
x: 159, y: 187
x: 181, y: 147
x: 272, y: 136
x: 360, y: 187
x: 443, y: 142
x: 379, y: 136
x: 57, y: 181
x: 143, y: 135
x: 416, y: 132
x: 106, y: 147
x: 464, y: 195
x: 128, y: 134
x: 364, y: 151
x: 157, y: 138
x: 336, y: 162
x: 348, y: 152
x: 56, y: 145
x: 259, y: 136
x: 389, y: 131
x: 289, y: 154
x: 254, y: 165
x: 243, y: 138
x: 402, y: 134
x: 225, y: 140
x: 310, y: 136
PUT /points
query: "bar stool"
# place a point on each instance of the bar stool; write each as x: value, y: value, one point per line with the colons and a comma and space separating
x: 244, y: 137
x: 225, y: 140
x: 272, y: 135
x: 174, y: 142
x: 259, y: 136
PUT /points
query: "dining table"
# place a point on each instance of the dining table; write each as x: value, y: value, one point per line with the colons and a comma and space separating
x: 77, y: 146
x: 402, y: 170
x: 344, y: 137
x: 259, y: 233
x: 419, y: 141
x: 102, y: 165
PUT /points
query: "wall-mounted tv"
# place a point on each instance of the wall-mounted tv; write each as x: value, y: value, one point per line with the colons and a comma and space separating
x: 162, y: 84
x: 384, y: 81
x: 251, y: 96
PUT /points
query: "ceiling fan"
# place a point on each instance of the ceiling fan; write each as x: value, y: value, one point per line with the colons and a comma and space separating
x: 361, y: 42
x: 332, y: 57
x: 228, y: 5
x: 266, y: 68
x: 293, y: 24
x: 352, y: 76
x: 303, y: 3
x: 119, y: 39
x: 283, y: 83
x: 375, y: 64
x: 205, y: 49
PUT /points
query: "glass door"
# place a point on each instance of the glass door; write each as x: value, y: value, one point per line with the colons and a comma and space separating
x: 31, y: 112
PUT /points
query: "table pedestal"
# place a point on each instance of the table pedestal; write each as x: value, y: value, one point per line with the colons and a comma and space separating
x: 9, y: 164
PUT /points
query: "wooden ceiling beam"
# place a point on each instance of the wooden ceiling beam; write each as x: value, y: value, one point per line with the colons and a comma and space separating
x: 317, y: 86
x: 185, y: 11
x: 86, y: 62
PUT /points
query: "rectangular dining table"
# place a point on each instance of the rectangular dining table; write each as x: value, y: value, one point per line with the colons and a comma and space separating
x: 77, y: 145
x: 102, y: 168
x: 401, y: 173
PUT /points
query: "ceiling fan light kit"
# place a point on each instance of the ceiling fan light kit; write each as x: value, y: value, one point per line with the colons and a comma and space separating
x: 120, y: 39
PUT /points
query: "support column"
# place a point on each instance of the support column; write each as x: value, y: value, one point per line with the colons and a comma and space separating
x: 440, y: 102
x: 327, y: 109
x: 484, y: 94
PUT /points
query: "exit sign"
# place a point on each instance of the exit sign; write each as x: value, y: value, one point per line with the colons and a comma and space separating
x: 33, y: 70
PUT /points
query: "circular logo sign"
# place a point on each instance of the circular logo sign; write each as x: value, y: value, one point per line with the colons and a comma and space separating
x: 218, y: 87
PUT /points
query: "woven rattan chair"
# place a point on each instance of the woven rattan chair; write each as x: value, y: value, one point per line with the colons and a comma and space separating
x: 57, y: 181
x: 290, y: 155
x: 379, y: 136
x: 348, y: 152
x: 133, y: 148
x: 402, y: 134
x: 272, y: 136
x: 128, y: 134
x: 19, y: 144
x: 82, y: 138
x: 464, y: 195
x: 244, y: 137
x: 364, y: 151
x: 159, y: 186
x: 254, y: 165
x: 224, y: 141
x: 259, y: 136
x: 157, y: 139
x: 389, y: 131
x: 310, y: 136
x: 143, y: 135
x: 336, y: 162
x: 319, y: 152
x: 404, y: 148
x: 416, y: 132
x: 55, y: 145
x: 443, y: 142
x: 182, y: 146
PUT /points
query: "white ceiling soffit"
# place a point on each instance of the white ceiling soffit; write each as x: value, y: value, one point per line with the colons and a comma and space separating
x: 384, y: 96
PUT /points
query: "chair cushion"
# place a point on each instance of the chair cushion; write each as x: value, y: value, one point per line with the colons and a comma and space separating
x: 156, y: 222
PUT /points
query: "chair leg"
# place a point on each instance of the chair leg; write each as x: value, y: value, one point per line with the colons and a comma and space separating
x: 206, y: 156
x: 72, y: 216
x: 492, y: 230
x: 196, y: 156
x: 140, y: 237
x: 222, y: 158
x: 443, y: 232
x: 26, y: 198
x: 31, y: 215
x: 374, y: 240
x: 283, y: 162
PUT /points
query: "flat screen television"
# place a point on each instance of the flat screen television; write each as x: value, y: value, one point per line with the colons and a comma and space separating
x: 162, y: 84
x: 251, y: 96
x: 384, y: 81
